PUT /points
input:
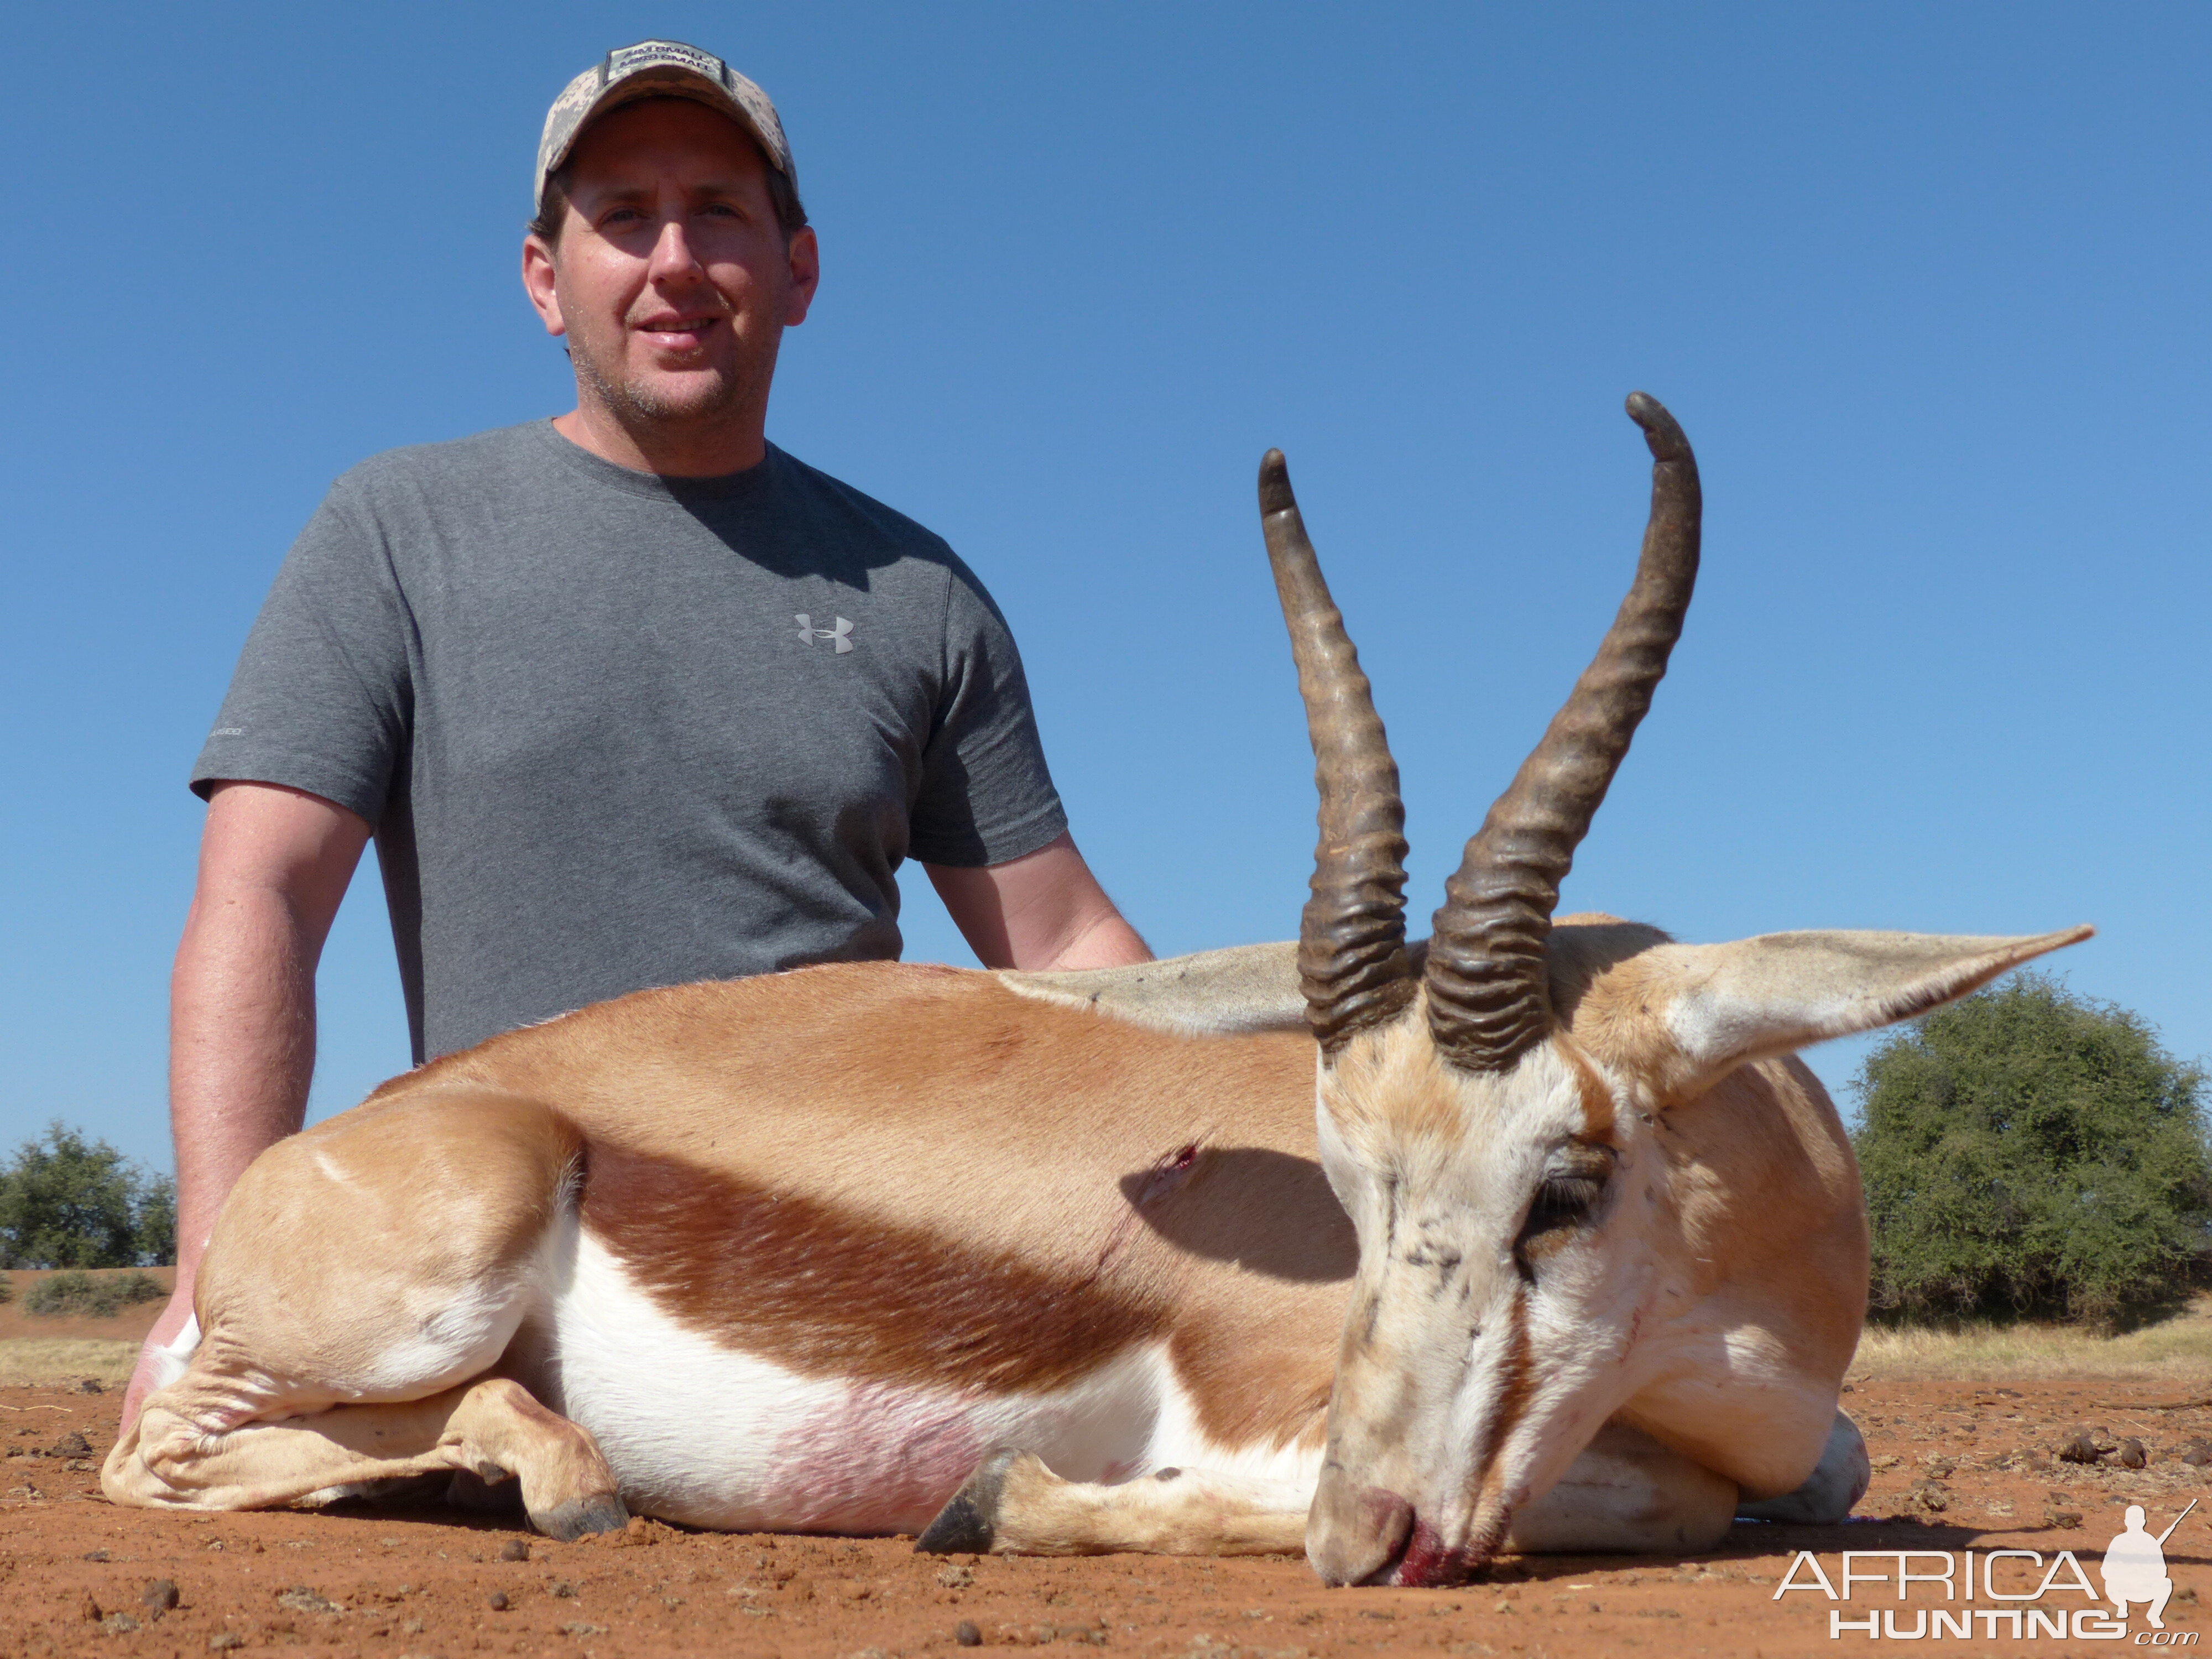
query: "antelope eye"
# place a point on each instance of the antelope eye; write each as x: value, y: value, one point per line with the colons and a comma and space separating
x: 1566, y: 1197
x: 1570, y: 1190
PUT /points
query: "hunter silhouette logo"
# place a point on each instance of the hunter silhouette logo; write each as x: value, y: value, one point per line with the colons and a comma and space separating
x: 2134, y: 1566
x: 842, y: 633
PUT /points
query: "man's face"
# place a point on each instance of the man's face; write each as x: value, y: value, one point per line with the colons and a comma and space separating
x: 671, y: 279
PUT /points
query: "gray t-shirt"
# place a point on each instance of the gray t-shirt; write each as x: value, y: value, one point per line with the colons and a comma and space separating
x: 616, y: 731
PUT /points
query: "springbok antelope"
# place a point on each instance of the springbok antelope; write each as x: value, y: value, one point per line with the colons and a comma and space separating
x: 1571, y: 1256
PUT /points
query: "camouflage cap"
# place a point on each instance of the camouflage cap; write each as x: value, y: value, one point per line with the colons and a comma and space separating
x: 658, y: 69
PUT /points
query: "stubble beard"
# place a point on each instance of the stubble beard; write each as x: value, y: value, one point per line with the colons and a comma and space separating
x: 647, y: 410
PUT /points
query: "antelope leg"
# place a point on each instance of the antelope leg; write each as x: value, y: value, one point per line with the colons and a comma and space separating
x: 1627, y: 1494
x: 1014, y: 1505
x: 492, y: 1428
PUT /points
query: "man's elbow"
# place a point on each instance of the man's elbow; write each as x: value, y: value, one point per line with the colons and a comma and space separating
x: 1104, y: 940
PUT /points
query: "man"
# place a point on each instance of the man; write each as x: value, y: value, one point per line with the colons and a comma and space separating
x: 2135, y: 1567
x: 628, y: 698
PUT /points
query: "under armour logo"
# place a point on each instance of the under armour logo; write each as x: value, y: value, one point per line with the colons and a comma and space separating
x: 808, y: 633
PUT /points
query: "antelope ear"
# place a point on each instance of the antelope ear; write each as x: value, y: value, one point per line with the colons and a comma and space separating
x: 1772, y: 995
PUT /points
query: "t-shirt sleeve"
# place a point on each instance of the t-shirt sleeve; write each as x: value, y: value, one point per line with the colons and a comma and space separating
x: 986, y: 793
x: 321, y: 695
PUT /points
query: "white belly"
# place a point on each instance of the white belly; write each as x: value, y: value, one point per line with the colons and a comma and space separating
x: 706, y: 1435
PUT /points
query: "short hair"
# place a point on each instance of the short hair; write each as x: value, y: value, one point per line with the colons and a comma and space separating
x: 782, y: 194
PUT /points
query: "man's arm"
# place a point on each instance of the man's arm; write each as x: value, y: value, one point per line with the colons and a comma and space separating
x: 1042, y: 910
x: 274, y: 863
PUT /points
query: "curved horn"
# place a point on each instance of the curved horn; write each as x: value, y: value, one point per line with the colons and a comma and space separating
x: 1488, y: 984
x: 1351, y: 940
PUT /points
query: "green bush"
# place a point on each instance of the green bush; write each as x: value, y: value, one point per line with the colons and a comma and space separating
x: 2024, y: 1151
x: 7, y: 1289
x: 157, y: 1222
x: 68, y: 1202
x: 79, y: 1294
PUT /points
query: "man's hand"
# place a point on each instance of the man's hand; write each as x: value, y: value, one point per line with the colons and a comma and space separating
x: 1043, y: 910
x: 274, y: 863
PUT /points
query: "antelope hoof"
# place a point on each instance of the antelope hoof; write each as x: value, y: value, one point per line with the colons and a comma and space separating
x: 598, y: 1512
x: 968, y: 1523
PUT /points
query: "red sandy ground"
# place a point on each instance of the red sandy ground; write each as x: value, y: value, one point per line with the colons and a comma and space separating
x: 74, y: 1571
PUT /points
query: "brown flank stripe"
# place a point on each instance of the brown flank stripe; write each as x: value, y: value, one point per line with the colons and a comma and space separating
x: 824, y: 1293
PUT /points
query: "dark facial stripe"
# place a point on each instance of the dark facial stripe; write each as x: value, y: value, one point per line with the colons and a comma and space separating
x: 1596, y: 1097
x: 826, y: 1293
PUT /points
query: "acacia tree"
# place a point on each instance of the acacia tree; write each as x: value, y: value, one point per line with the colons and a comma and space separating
x: 2027, y: 1151
x: 68, y: 1202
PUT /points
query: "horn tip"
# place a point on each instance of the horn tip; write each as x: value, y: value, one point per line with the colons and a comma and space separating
x: 1661, y: 429
x: 1275, y: 494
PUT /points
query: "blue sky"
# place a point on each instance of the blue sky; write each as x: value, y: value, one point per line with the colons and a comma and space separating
x: 1926, y: 285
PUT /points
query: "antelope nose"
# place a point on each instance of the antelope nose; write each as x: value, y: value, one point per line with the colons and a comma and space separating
x: 1355, y: 1532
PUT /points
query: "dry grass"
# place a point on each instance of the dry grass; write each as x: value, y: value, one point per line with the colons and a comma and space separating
x: 44, y: 1361
x: 2178, y: 1350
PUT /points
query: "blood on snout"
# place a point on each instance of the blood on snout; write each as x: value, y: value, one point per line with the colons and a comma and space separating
x: 1428, y: 1561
